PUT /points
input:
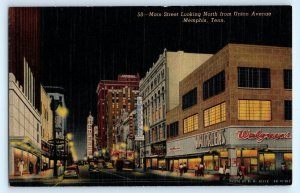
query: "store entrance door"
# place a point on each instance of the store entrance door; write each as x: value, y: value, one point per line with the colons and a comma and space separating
x: 251, y: 165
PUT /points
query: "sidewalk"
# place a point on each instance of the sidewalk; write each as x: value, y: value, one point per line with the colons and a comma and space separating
x: 47, y: 174
x: 191, y: 175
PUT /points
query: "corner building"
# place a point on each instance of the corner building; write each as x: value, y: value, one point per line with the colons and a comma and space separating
x: 235, y: 109
x: 160, y: 92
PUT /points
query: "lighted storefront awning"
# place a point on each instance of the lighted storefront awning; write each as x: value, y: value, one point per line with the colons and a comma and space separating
x: 25, y: 144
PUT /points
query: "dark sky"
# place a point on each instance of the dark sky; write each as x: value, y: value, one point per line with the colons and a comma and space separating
x: 81, y: 46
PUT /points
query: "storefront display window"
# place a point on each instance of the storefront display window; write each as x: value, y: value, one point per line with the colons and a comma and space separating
x: 287, y: 157
x: 267, y: 162
x: 162, y: 164
x: 192, y: 162
x: 148, y: 164
x: 208, y: 162
x: 182, y: 161
x: 154, y: 162
x: 176, y: 164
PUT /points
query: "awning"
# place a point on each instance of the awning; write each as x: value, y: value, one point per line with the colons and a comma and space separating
x: 25, y: 144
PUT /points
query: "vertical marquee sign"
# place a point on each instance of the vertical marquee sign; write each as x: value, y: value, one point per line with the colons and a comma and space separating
x: 139, y: 117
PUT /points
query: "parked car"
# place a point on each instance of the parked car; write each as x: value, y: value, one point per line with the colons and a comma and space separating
x: 101, y: 164
x: 123, y: 163
x: 71, y: 172
x: 93, y: 167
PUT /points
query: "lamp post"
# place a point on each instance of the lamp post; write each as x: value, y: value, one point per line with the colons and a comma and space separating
x: 54, y: 105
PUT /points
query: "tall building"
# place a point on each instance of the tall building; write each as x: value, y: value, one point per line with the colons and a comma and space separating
x: 24, y: 89
x: 159, y: 90
x: 89, y: 135
x: 46, y: 128
x: 113, y: 96
x: 235, y: 109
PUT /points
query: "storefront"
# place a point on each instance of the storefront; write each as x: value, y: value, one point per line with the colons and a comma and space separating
x: 261, y: 150
x: 22, y: 150
x: 45, y: 155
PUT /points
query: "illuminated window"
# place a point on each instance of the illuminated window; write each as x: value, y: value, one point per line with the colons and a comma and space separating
x: 267, y: 162
x: 254, y: 110
x: 215, y: 114
x: 190, y: 123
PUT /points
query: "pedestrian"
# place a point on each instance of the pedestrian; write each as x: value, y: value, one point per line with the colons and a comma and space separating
x: 184, y: 167
x: 201, y: 169
x: 243, y: 171
x: 227, y: 172
x: 30, y: 167
x: 283, y: 167
x: 181, y: 169
x: 196, y: 170
x: 221, y: 173
x: 37, y: 167
x: 21, y: 166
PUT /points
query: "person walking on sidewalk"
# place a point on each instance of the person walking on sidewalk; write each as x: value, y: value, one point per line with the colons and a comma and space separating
x: 30, y: 167
x: 181, y: 169
x: 21, y: 167
x: 221, y: 173
x: 196, y: 170
x: 242, y: 171
x: 201, y: 169
x: 227, y: 172
x: 184, y: 168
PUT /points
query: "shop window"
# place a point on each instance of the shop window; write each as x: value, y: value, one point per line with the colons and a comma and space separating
x: 267, y: 162
x: 254, y: 110
x: 173, y: 129
x: 148, y: 164
x: 288, y: 110
x: 287, y: 79
x: 192, y: 162
x: 247, y: 153
x: 190, y: 123
x: 182, y: 161
x: 189, y: 99
x: 215, y: 114
x: 287, y: 157
x: 224, y: 154
x: 254, y: 77
x: 162, y: 164
x: 176, y: 164
x: 208, y: 162
x: 214, y: 86
x: 154, y: 162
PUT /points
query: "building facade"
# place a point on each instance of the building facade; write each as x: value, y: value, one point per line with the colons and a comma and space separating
x: 235, y: 109
x: 159, y: 91
x: 46, y: 128
x: 24, y: 90
x: 113, y: 97
x: 89, y: 135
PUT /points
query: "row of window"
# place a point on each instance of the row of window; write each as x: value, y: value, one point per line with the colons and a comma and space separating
x: 247, y: 78
x: 250, y: 110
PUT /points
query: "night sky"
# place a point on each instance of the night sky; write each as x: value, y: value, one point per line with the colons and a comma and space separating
x: 81, y: 46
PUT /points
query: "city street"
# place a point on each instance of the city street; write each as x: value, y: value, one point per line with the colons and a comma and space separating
x: 109, y: 177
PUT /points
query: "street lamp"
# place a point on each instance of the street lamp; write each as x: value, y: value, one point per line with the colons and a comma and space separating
x: 56, y: 107
x: 145, y: 129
